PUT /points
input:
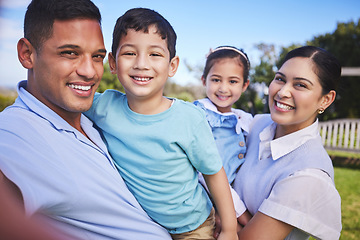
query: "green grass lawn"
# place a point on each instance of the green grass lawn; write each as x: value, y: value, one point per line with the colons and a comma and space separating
x: 347, y: 182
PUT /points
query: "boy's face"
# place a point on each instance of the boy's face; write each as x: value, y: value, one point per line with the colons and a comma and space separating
x: 142, y: 64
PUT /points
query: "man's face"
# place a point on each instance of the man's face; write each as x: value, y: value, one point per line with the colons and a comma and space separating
x: 68, y: 68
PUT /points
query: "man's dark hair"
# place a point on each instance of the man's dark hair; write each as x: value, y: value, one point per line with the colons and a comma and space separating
x: 41, y: 14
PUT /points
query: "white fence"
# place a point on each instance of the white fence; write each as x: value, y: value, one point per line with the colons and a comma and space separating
x: 341, y: 134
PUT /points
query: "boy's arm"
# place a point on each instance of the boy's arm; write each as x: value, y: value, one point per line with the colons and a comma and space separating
x: 221, y: 195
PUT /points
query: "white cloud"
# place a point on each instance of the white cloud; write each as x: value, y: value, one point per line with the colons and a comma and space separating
x: 14, y: 3
x: 10, y: 29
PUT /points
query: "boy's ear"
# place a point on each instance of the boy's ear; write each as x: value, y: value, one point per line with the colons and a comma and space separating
x: 112, y: 63
x: 26, y: 53
x: 174, y: 64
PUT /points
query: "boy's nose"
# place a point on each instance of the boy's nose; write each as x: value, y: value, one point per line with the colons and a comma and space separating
x: 141, y: 62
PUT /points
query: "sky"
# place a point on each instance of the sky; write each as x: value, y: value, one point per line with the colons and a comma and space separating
x: 200, y: 25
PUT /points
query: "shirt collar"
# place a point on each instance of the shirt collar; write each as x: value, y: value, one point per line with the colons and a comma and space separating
x: 242, y: 121
x: 39, y: 108
x: 281, y: 146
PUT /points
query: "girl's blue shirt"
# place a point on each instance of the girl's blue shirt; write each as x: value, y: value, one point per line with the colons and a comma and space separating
x: 229, y: 131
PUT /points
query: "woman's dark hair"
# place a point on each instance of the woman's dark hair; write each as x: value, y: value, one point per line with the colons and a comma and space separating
x: 326, y: 66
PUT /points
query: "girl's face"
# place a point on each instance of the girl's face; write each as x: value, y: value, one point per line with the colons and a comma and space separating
x: 295, y: 96
x: 225, y: 83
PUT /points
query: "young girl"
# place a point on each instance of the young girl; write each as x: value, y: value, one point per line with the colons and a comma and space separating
x: 287, y: 180
x: 226, y: 77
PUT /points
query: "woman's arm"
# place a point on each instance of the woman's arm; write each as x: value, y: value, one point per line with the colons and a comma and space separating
x: 263, y: 227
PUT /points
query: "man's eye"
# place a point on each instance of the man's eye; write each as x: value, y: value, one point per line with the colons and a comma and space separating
x: 99, y: 57
x: 69, y: 53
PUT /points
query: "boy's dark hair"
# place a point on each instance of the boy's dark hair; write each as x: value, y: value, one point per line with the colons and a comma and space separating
x: 326, y: 66
x: 140, y: 19
x: 41, y: 14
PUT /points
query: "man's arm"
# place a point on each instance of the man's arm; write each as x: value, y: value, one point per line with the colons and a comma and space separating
x: 13, y: 222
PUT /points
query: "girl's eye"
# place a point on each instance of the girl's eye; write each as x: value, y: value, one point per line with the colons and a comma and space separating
x: 128, y: 54
x: 215, y: 80
x: 233, y: 81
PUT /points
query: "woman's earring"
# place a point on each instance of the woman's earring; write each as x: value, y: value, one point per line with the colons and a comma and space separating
x: 320, y: 111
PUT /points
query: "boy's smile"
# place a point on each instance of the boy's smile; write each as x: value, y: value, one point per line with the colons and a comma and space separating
x: 142, y: 64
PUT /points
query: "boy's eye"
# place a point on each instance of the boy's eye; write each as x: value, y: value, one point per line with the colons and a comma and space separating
x: 233, y: 81
x: 155, y: 54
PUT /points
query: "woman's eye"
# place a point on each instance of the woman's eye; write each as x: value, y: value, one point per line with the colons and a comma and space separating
x: 301, y: 85
x: 279, y: 79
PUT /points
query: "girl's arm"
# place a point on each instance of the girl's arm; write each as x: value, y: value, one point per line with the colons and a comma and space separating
x: 263, y: 227
x: 220, y: 193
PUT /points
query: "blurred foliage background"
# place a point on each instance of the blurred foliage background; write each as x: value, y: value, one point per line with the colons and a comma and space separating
x: 344, y: 43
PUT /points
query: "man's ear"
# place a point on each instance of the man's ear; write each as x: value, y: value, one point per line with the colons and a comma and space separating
x: 174, y: 64
x: 26, y: 53
x: 112, y: 63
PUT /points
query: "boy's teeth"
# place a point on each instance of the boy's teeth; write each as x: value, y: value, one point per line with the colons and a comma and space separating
x: 80, y: 87
x: 141, y: 78
x: 283, y: 106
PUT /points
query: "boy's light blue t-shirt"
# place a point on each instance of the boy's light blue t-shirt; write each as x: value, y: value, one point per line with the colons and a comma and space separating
x: 158, y: 155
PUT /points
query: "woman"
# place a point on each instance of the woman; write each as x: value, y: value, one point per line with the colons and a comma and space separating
x: 287, y: 180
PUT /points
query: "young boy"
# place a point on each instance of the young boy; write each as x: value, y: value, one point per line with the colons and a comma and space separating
x: 159, y: 143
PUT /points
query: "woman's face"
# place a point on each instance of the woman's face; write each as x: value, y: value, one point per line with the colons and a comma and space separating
x: 295, y: 96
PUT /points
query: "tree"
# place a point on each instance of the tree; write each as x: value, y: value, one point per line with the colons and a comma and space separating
x: 344, y: 43
x: 257, y: 95
x: 109, y: 80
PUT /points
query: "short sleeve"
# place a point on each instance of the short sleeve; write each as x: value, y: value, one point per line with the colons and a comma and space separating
x: 307, y: 200
x: 202, y: 150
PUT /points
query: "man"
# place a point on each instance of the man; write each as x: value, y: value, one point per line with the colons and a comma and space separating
x: 51, y: 156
